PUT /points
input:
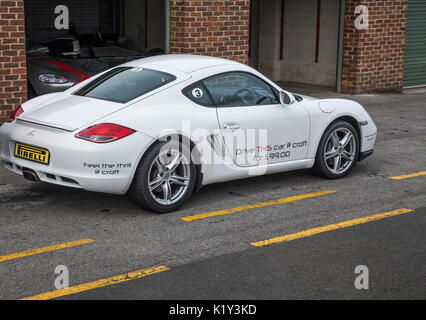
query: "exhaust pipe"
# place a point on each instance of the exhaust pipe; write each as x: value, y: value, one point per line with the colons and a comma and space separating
x: 30, y: 174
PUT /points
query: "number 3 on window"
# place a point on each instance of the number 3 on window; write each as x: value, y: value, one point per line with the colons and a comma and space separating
x: 197, y: 93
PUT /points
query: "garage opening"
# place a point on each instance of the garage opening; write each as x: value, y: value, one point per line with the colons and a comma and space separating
x: 296, y: 41
x: 98, y: 35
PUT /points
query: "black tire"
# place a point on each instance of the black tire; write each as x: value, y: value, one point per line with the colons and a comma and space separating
x: 320, y: 167
x: 140, y: 192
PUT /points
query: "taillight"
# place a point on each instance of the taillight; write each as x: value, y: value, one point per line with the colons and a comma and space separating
x: 104, y: 132
x: 15, y: 114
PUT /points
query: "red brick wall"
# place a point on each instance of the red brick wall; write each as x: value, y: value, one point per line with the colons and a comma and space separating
x: 373, y: 59
x: 13, y: 72
x: 214, y: 28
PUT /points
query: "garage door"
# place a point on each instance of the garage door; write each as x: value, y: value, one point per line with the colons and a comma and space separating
x: 40, y: 17
x: 415, y: 50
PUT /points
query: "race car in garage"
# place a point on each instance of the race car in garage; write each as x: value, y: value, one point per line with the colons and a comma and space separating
x: 161, y: 127
x: 60, y: 63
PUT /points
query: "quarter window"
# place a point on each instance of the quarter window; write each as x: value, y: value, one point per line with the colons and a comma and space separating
x: 197, y: 92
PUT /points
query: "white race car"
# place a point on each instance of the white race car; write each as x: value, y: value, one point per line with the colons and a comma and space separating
x: 159, y: 128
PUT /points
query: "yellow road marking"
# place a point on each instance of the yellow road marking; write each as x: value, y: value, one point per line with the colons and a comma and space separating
x: 44, y: 249
x: 344, y: 224
x: 256, y: 205
x: 412, y: 175
x: 98, y: 283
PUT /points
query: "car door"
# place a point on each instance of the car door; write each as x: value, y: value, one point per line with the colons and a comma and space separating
x: 256, y: 128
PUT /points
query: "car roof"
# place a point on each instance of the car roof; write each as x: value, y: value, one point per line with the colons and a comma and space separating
x: 183, y: 62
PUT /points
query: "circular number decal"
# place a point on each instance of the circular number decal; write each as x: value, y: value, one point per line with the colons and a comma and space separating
x: 197, y: 92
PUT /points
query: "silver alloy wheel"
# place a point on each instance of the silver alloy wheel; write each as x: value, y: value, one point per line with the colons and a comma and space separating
x: 339, y: 151
x: 168, y: 177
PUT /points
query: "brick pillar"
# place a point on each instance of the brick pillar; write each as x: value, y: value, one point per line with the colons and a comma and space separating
x: 373, y: 59
x: 13, y: 71
x: 214, y: 28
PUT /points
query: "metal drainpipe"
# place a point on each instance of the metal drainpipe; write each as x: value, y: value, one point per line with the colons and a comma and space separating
x: 340, y: 46
x: 167, y: 26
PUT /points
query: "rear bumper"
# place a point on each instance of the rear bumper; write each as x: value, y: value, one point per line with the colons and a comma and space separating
x: 365, y: 154
x: 76, y: 163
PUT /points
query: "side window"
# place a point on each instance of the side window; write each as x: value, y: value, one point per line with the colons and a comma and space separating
x: 237, y: 89
x: 198, y: 93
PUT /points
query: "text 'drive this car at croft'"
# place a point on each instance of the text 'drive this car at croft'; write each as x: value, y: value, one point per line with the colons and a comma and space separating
x: 159, y: 128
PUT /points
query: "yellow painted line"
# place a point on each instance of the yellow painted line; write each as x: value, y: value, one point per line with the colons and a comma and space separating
x: 98, y: 283
x: 411, y: 175
x: 344, y: 224
x: 256, y: 205
x: 44, y: 249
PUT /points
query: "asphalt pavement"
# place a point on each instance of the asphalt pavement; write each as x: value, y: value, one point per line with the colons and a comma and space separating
x: 213, y: 257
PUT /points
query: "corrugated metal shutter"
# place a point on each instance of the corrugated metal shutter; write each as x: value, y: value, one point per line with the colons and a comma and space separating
x: 415, y: 49
x: 40, y: 18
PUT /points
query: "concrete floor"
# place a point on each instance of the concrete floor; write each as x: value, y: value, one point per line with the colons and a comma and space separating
x: 311, y: 90
x: 328, y: 92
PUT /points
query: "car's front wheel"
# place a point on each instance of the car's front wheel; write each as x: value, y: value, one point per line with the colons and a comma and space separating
x: 165, y: 178
x: 337, y: 151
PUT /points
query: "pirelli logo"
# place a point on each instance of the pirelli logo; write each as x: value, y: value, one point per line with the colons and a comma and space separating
x: 31, y: 153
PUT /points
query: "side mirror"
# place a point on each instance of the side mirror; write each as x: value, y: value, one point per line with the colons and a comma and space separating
x: 286, y: 97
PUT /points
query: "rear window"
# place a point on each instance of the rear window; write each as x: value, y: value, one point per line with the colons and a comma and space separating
x: 123, y: 84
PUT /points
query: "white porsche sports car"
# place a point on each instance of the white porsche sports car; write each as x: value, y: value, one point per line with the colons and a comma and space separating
x: 159, y: 128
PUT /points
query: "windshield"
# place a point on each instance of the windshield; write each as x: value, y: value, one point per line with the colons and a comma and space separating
x: 123, y: 84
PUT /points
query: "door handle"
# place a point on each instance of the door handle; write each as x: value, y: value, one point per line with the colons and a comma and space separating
x: 231, y: 126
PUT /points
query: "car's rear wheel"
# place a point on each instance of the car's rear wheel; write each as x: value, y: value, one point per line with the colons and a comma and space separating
x: 164, y: 179
x: 338, y: 151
